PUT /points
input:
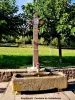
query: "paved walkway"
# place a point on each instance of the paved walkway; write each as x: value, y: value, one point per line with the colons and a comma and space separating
x: 7, y: 94
x: 3, y: 88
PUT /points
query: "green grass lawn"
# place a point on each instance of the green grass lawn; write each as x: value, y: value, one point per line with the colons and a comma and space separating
x: 18, y: 57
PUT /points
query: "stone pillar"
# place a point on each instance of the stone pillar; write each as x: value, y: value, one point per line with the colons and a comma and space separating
x: 35, y: 39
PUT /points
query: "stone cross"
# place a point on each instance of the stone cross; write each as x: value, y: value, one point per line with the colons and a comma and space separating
x: 35, y: 23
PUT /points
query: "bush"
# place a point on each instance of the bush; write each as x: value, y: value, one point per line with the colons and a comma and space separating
x: 41, y: 41
x: 54, y: 42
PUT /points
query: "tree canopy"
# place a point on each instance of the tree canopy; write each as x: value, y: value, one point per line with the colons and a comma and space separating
x: 10, y: 22
x: 58, y: 16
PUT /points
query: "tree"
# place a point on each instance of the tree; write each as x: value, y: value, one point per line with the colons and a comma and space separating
x: 54, y: 12
x: 58, y: 16
x: 11, y: 24
x: 28, y: 15
x: 72, y: 18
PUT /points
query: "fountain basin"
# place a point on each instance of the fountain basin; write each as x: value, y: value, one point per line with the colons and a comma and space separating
x: 38, y: 81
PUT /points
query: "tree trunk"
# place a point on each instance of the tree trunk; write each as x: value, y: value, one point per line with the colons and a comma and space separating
x: 60, y: 50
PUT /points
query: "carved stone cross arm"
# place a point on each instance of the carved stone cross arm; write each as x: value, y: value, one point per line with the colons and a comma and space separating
x: 35, y: 20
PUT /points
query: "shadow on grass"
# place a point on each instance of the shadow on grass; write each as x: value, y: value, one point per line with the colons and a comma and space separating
x: 14, y: 61
x: 53, y: 61
x: 9, y: 45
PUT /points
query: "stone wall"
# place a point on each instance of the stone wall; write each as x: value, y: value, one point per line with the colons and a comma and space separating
x: 6, y: 74
x: 69, y: 72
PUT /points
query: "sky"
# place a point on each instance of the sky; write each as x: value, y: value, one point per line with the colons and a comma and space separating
x: 23, y: 2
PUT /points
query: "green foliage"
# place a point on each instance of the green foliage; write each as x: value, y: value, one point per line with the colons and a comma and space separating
x: 11, y: 24
x: 7, y: 10
x: 73, y: 30
x: 8, y: 6
x: 54, y: 42
x: 3, y: 22
x: 41, y: 41
x: 59, y: 18
x: 63, y: 24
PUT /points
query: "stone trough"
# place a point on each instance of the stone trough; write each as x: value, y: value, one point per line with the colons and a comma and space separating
x: 37, y: 81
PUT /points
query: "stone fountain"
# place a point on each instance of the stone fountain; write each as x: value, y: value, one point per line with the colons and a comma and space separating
x: 37, y: 78
x: 38, y: 81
